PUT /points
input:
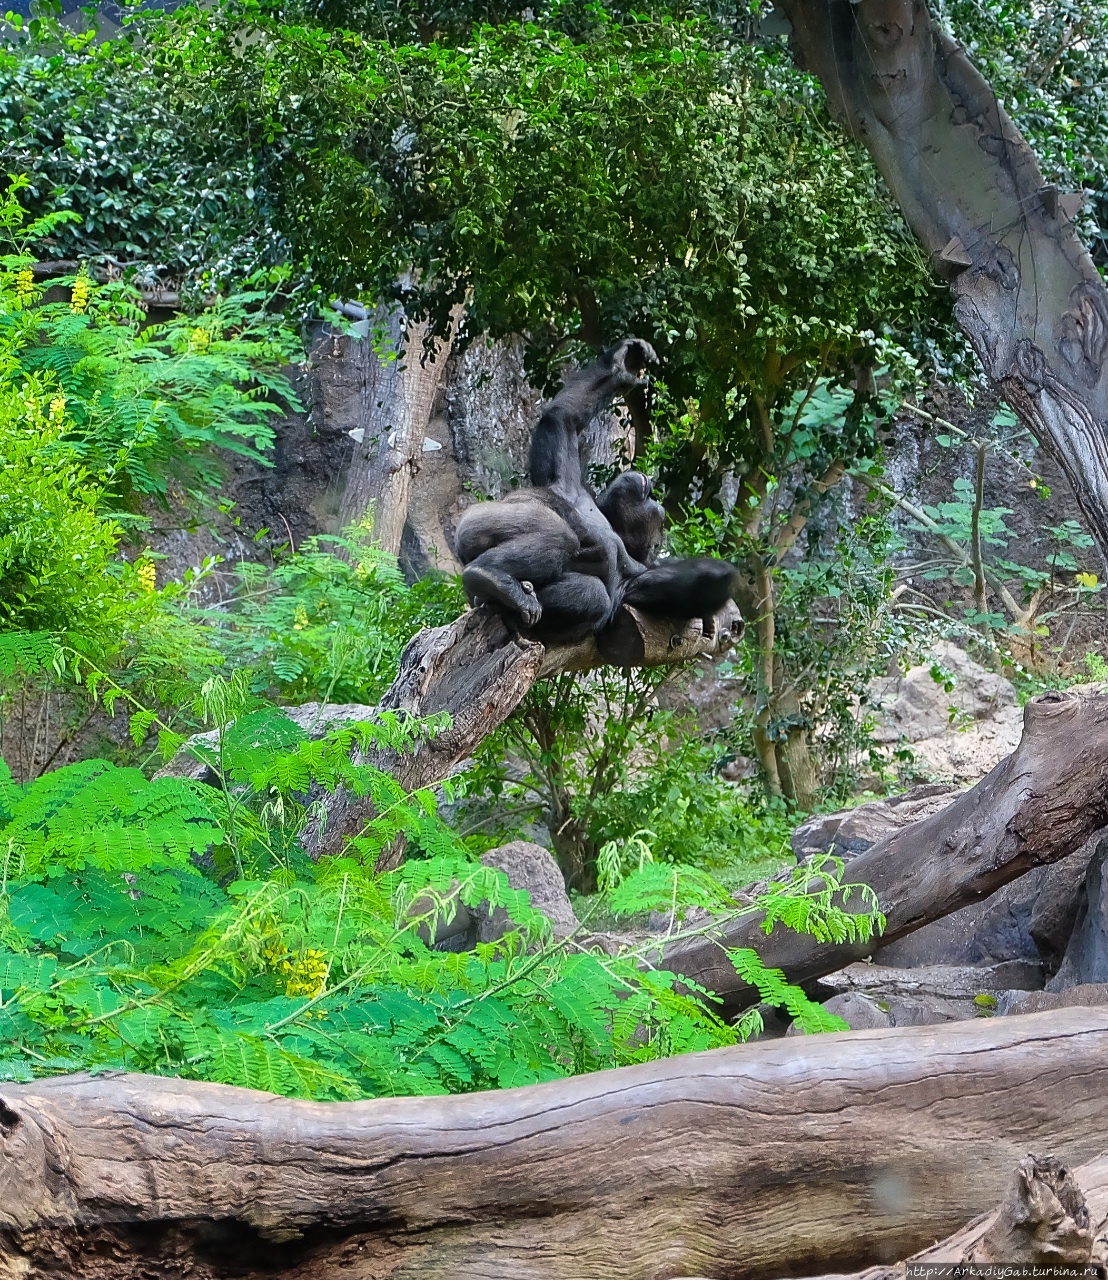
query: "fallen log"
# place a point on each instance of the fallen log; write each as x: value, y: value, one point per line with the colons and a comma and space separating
x: 784, y: 1157
x: 1038, y: 805
x: 1051, y: 1216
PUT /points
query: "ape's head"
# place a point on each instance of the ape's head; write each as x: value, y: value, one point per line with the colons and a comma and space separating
x: 634, y: 515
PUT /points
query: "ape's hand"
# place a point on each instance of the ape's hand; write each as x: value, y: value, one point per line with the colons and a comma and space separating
x: 630, y: 357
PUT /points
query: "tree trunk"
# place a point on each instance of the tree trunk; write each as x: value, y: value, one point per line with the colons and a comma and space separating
x: 1028, y: 296
x: 478, y: 671
x: 779, y: 1158
x: 396, y: 385
x: 1040, y: 804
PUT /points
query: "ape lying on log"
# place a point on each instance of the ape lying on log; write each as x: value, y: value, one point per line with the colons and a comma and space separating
x: 562, y: 562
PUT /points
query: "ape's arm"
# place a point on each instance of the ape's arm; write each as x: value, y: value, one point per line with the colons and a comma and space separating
x: 555, y: 449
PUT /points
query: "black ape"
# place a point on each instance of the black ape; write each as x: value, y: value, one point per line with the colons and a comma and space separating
x: 563, y: 561
x: 547, y: 553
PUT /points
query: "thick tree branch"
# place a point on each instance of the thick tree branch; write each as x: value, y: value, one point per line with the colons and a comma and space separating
x: 1027, y: 293
x: 787, y: 1157
x: 1037, y: 806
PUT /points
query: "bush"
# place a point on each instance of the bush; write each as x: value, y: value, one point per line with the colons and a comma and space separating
x: 175, y: 928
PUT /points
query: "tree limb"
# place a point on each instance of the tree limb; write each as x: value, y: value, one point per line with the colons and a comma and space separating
x: 1037, y: 806
x: 784, y: 1157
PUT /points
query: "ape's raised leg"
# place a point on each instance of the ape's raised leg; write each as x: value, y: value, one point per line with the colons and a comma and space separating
x: 512, y: 549
x: 694, y: 588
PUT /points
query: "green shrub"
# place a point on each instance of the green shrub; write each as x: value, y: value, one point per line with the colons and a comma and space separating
x: 175, y: 928
x: 329, y: 622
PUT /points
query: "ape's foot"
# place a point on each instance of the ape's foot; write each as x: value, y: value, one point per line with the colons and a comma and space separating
x: 493, y: 586
x: 631, y: 356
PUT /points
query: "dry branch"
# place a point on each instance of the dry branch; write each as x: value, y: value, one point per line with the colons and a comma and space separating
x: 788, y: 1157
x: 1038, y: 805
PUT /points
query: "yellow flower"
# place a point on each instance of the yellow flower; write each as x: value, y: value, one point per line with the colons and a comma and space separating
x: 299, y: 618
x: 1086, y: 580
x: 147, y: 575
x: 82, y: 292
x: 57, y: 408
x: 25, y: 283
x: 307, y: 974
x: 199, y: 339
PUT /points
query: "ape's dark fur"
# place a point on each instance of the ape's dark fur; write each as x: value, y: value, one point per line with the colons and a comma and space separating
x: 628, y: 507
x: 695, y: 588
x: 564, y: 562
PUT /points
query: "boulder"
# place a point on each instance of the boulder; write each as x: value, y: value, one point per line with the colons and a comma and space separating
x: 1088, y: 993
x: 956, y: 734
x: 874, y: 995
x: 853, y: 831
x: 530, y: 867
x: 915, y: 706
x: 1086, y: 954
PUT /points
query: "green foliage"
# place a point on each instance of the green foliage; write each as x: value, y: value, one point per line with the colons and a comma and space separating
x: 171, y: 927
x: 329, y: 622
x: 138, y: 402
x: 97, y: 409
x: 618, y: 780
x: 91, y: 124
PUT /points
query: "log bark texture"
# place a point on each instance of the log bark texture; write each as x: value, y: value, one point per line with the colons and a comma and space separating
x: 1027, y: 293
x: 1039, y: 1223
x: 1038, y: 805
x: 762, y: 1160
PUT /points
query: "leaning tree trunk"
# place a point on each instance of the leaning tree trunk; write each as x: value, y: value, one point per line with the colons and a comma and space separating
x: 1028, y: 296
x: 1037, y: 806
x: 477, y: 669
x: 785, y: 1158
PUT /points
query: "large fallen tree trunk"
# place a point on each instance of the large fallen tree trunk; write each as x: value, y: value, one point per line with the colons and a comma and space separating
x: 1038, y: 805
x: 788, y: 1157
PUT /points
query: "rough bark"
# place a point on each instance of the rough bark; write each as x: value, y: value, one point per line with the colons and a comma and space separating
x: 397, y: 383
x: 1051, y: 1216
x: 1027, y: 293
x: 1038, y: 805
x: 762, y: 1160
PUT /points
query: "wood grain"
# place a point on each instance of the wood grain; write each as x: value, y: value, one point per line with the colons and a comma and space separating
x: 785, y: 1157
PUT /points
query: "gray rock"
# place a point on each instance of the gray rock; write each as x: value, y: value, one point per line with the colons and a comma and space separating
x: 852, y: 831
x: 1030, y: 919
x: 956, y: 735
x: 946, y: 981
x: 872, y: 995
x: 529, y: 867
x: 915, y: 706
x: 1086, y: 954
x: 858, y: 1010
x: 1088, y: 993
